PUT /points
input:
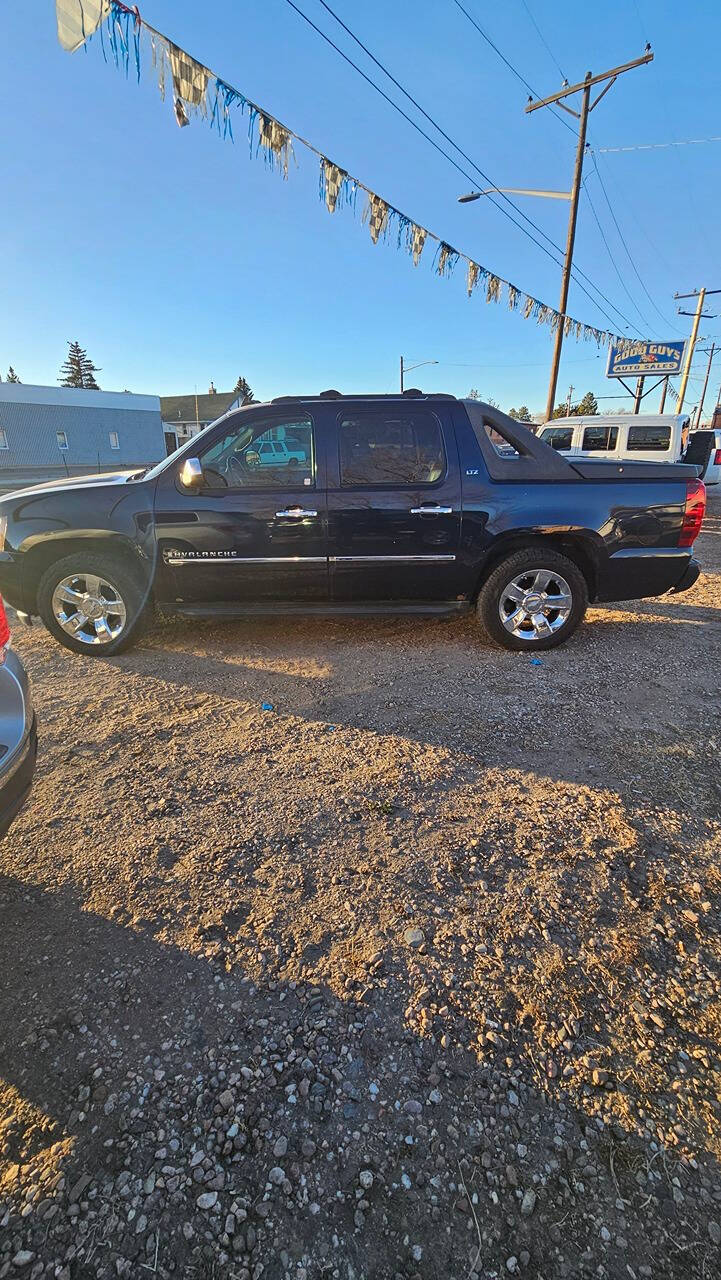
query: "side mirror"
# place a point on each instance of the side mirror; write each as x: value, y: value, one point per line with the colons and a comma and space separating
x: 191, y: 474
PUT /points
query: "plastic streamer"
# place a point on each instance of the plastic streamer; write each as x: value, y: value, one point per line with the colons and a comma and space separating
x: 225, y: 97
x: 445, y: 259
x: 120, y: 37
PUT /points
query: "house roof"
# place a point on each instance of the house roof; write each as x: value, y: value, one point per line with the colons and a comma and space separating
x: 28, y: 393
x: 182, y: 408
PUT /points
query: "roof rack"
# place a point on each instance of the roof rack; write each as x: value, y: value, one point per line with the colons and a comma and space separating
x: 412, y: 393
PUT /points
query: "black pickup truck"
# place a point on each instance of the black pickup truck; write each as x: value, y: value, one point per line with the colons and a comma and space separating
x: 351, y: 504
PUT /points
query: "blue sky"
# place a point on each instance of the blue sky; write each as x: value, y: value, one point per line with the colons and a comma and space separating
x: 175, y: 257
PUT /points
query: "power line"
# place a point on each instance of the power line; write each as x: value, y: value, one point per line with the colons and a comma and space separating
x: 549, y: 51
x: 641, y: 225
x: 612, y: 260
x: 658, y: 146
x: 485, y: 177
x: 575, y: 271
x: 425, y: 135
x: 509, y: 64
x: 520, y: 77
x: 623, y: 241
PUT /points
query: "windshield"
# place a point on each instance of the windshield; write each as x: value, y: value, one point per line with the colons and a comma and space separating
x: 189, y: 448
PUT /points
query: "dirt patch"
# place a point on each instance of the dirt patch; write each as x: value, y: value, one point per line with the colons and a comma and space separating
x: 417, y: 974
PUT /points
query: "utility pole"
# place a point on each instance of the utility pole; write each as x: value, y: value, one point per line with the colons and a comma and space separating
x: 568, y: 402
x: 639, y: 395
x: 663, y: 395
x: 699, y: 411
x: 608, y: 78
x: 701, y: 294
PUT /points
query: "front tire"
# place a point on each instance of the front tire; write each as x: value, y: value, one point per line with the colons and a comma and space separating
x: 93, y: 604
x: 532, y: 600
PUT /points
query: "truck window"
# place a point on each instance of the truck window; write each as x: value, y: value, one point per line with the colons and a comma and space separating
x: 558, y: 437
x: 600, y: 439
x: 503, y: 447
x: 247, y: 457
x: 648, y: 437
x: 391, y: 447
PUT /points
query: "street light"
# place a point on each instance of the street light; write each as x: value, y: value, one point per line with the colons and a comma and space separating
x: 406, y: 368
x: 514, y: 191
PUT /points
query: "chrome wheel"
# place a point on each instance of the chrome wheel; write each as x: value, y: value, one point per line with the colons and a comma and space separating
x: 89, y: 608
x: 535, y: 604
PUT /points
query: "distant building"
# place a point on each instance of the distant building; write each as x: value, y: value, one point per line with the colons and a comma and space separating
x: 48, y: 432
x: 187, y: 415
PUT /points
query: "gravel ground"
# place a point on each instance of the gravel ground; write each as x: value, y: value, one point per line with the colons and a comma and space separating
x: 417, y: 974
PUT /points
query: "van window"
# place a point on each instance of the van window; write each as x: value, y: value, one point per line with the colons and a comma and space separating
x: 600, y: 439
x: 558, y: 437
x: 649, y: 438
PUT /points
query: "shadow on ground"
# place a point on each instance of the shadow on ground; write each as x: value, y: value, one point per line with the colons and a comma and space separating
x: 141, y: 1083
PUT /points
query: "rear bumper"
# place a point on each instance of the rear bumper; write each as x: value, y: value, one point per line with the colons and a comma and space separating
x: 637, y: 572
x: 689, y: 577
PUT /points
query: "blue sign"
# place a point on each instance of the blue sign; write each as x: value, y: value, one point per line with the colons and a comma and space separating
x: 633, y: 360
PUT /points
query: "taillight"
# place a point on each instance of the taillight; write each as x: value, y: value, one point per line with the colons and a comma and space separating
x: 717, y: 458
x: 693, y: 513
x: 4, y: 631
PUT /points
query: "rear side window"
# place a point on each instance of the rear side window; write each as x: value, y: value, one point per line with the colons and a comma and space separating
x: 649, y: 438
x: 391, y: 447
x: 558, y: 437
x: 600, y: 439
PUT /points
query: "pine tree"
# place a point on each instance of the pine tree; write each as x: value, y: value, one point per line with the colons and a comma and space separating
x: 587, y: 406
x: 12, y: 376
x: 475, y: 394
x: 78, y: 369
x: 242, y: 389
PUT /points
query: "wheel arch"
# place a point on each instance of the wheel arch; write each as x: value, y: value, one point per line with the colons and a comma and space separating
x: 576, y: 546
x: 47, y: 551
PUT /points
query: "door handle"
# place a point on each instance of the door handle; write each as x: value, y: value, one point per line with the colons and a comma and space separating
x: 432, y: 511
x: 296, y: 513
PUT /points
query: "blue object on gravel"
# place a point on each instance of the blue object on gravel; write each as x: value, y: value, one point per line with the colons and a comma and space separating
x: 536, y: 662
x: 267, y: 706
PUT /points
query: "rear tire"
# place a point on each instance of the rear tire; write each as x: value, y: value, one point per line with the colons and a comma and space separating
x: 93, y: 604
x: 532, y: 600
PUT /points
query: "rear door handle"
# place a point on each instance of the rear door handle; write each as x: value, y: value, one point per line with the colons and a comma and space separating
x: 432, y: 511
x: 296, y: 513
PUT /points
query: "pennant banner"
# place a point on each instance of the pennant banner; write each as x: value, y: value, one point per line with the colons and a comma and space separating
x: 78, y: 19
x: 199, y: 91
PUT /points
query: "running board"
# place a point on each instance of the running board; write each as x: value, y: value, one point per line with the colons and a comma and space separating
x: 444, y: 609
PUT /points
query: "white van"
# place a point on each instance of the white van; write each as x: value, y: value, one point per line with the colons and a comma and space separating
x: 647, y: 437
